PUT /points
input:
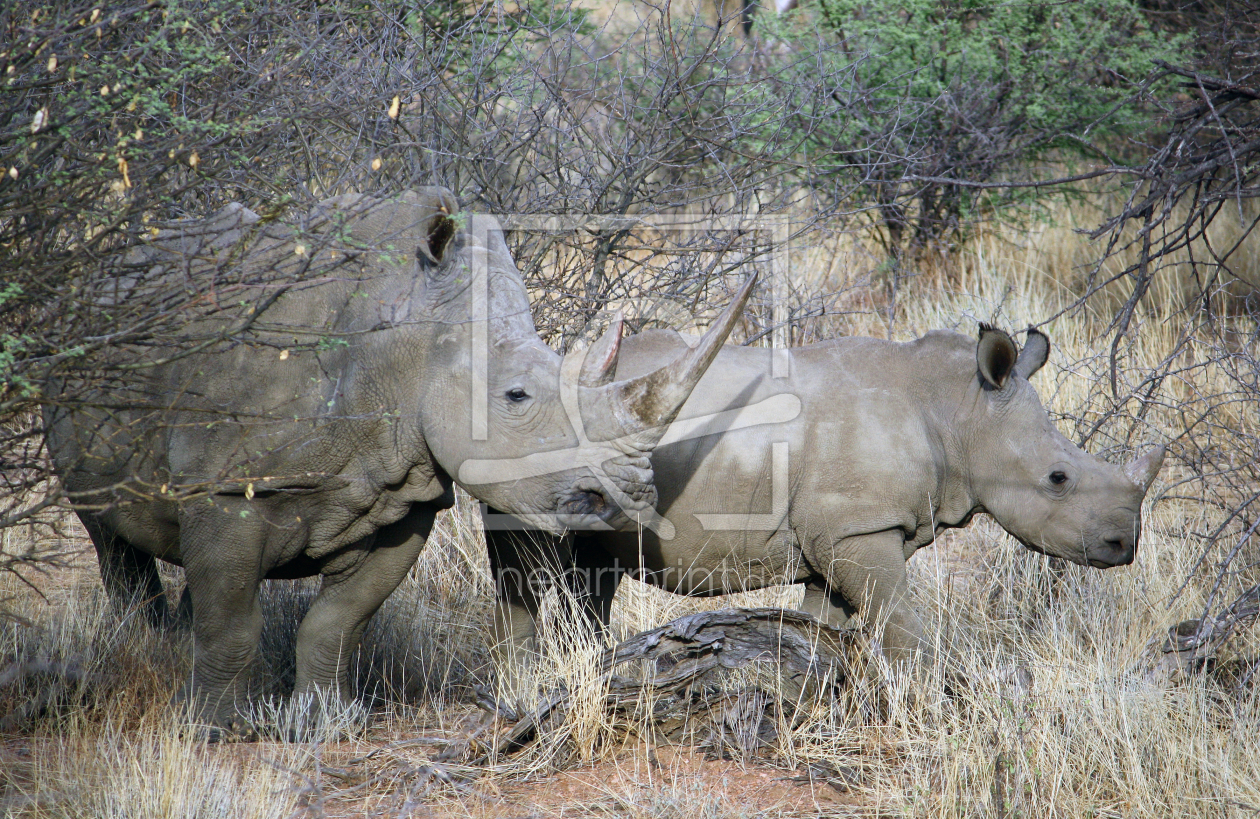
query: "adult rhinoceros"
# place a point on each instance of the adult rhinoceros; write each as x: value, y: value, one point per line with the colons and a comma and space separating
x: 834, y: 475
x: 311, y: 425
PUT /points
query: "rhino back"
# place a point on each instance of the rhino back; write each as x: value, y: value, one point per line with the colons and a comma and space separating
x: 318, y: 392
x: 864, y: 454
x: 880, y: 433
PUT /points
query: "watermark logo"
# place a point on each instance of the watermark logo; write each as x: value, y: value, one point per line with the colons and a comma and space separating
x: 777, y: 409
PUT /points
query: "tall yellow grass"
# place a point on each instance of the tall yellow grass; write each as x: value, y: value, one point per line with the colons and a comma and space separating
x: 1033, y: 707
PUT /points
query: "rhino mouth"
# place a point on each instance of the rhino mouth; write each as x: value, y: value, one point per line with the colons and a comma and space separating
x: 1110, y: 554
x: 1114, y: 553
x: 594, y: 504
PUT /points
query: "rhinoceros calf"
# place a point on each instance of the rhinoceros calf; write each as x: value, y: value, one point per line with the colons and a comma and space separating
x: 835, y: 474
x: 309, y: 419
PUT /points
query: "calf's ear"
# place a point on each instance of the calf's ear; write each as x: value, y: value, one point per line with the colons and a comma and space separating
x: 996, y: 355
x: 1033, y: 356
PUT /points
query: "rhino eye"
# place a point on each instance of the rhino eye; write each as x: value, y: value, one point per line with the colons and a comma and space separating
x: 1058, y: 478
x: 516, y: 395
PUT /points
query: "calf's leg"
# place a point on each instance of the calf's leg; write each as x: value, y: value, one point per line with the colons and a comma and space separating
x: 525, y: 564
x: 869, y: 572
x: 593, y: 580
x: 828, y: 605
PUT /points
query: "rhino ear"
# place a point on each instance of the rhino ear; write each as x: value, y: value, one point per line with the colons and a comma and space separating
x: 440, y: 232
x: 601, y: 357
x: 1033, y: 356
x: 996, y: 355
x: 440, y: 228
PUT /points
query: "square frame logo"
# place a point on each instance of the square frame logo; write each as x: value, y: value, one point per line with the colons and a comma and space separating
x: 773, y: 269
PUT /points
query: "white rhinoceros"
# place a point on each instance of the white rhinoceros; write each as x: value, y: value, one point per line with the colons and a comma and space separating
x: 308, y: 420
x: 834, y: 475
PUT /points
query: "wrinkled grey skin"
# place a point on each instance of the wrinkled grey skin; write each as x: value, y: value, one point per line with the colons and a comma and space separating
x: 892, y: 444
x: 322, y: 440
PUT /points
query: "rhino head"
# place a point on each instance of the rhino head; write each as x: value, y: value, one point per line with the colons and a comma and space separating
x: 556, y: 442
x: 1050, y: 494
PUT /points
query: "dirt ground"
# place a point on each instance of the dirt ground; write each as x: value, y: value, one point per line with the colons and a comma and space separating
x: 381, y: 773
x: 666, y: 781
x: 632, y: 779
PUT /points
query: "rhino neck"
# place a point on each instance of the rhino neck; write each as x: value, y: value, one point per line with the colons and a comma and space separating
x: 947, y: 405
x: 480, y: 283
x: 958, y: 501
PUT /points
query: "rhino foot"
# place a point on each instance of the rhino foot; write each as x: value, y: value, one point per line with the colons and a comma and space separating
x: 202, y: 724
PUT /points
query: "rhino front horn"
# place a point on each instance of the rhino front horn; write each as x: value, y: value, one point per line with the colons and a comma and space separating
x: 1143, y: 469
x: 652, y: 401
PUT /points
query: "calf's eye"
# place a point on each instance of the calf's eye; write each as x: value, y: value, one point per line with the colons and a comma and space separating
x: 517, y: 395
x: 1058, y: 478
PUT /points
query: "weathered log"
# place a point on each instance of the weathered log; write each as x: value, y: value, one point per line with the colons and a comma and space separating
x: 679, y: 666
x: 1193, y: 645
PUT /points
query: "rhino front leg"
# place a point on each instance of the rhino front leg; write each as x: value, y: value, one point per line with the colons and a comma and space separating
x: 868, y: 572
x: 827, y: 605
x: 183, y: 611
x: 355, y: 584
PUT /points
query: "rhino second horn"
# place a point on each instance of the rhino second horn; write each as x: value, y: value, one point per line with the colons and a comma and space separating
x: 653, y: 400
x: 1143, y: 469
x: 601, y: 356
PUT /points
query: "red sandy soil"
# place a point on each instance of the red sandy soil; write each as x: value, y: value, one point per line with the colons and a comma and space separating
x: 682, y: 782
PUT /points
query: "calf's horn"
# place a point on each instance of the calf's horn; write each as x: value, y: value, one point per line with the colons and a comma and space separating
x: 601, y: 356
x: 1143, y: 469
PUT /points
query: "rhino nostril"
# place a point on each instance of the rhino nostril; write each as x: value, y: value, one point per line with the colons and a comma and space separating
x: 586, y: 502
x: 1126, y: 548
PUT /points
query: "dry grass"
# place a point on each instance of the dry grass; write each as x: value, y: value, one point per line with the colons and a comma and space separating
x: 1086, y: 737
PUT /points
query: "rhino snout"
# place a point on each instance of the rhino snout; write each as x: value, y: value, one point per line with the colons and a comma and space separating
x: 1116, y: 552
x: 590, y: 502
x: 1117, y: 549
x: 585, y: 510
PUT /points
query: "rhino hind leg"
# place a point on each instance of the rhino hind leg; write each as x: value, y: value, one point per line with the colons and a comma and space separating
x: 130, y: 575
x: 515, y: 648
x: 355, y: 584
x: 593, y: 581
x: 523, y: 564
x: 526, y: 565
